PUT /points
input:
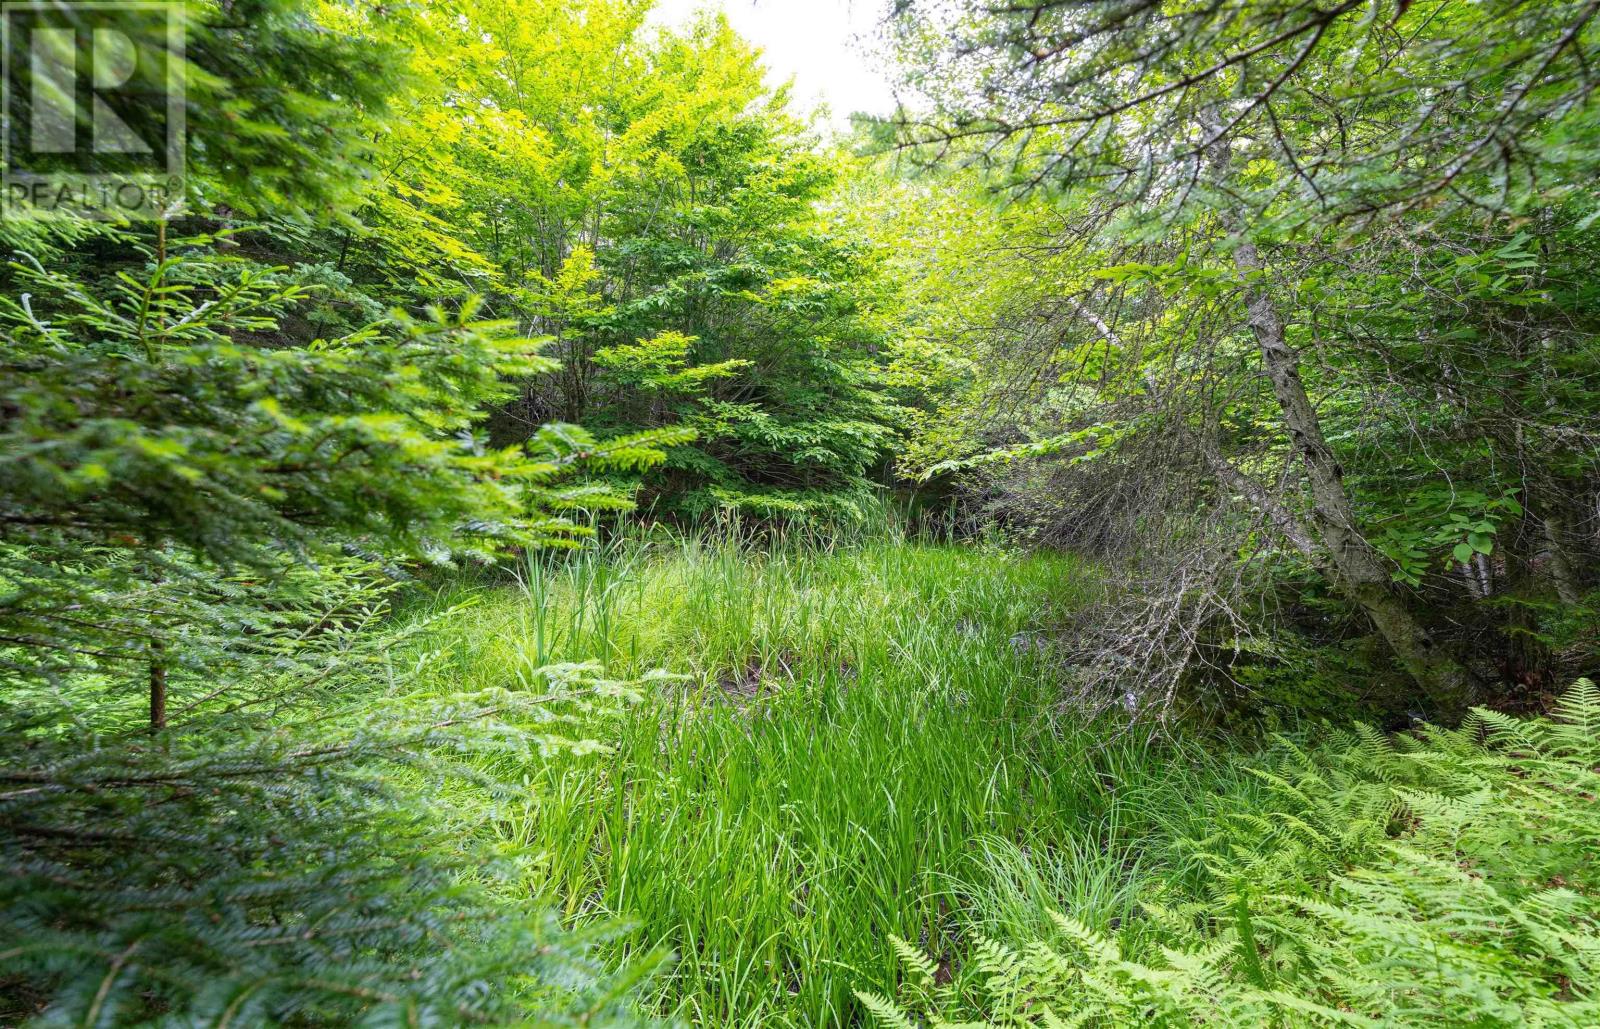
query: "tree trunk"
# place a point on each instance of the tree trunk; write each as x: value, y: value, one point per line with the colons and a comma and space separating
x: 1560, y: 567
x: 1354, y: 564
x: 158, y: 688
x: 1357, y: 568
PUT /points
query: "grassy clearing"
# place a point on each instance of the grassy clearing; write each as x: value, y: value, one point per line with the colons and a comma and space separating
x: 867, y: 743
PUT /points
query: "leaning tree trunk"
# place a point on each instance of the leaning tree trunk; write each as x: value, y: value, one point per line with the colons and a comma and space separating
x: 1354, y: 564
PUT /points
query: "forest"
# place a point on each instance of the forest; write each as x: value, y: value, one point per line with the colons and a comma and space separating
x: 524, y: 520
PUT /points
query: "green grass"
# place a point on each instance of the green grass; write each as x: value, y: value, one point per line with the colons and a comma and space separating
x: 866, y: 743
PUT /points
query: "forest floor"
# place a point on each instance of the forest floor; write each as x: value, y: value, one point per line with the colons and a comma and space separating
x: 867, y: 741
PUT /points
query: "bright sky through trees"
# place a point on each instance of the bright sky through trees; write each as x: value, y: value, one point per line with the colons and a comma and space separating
x: 818, y: 43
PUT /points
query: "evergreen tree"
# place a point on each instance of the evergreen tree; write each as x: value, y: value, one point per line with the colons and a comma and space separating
x: 208, y: 499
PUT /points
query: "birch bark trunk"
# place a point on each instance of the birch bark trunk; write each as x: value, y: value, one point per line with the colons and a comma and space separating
x: 1354, y: 564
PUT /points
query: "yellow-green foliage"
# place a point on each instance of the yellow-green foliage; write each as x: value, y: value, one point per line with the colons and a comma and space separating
x: 1442, y: 878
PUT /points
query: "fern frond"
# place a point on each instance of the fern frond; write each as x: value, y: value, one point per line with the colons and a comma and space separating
x: 1576, y: 728
x: 1449, y: 878
x: 884, y: 1012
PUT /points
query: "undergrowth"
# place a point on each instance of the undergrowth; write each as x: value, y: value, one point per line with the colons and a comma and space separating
x: 1446, y: 878
x: 862, y: 784
x: 278, y: 854
x: 855, y: 716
